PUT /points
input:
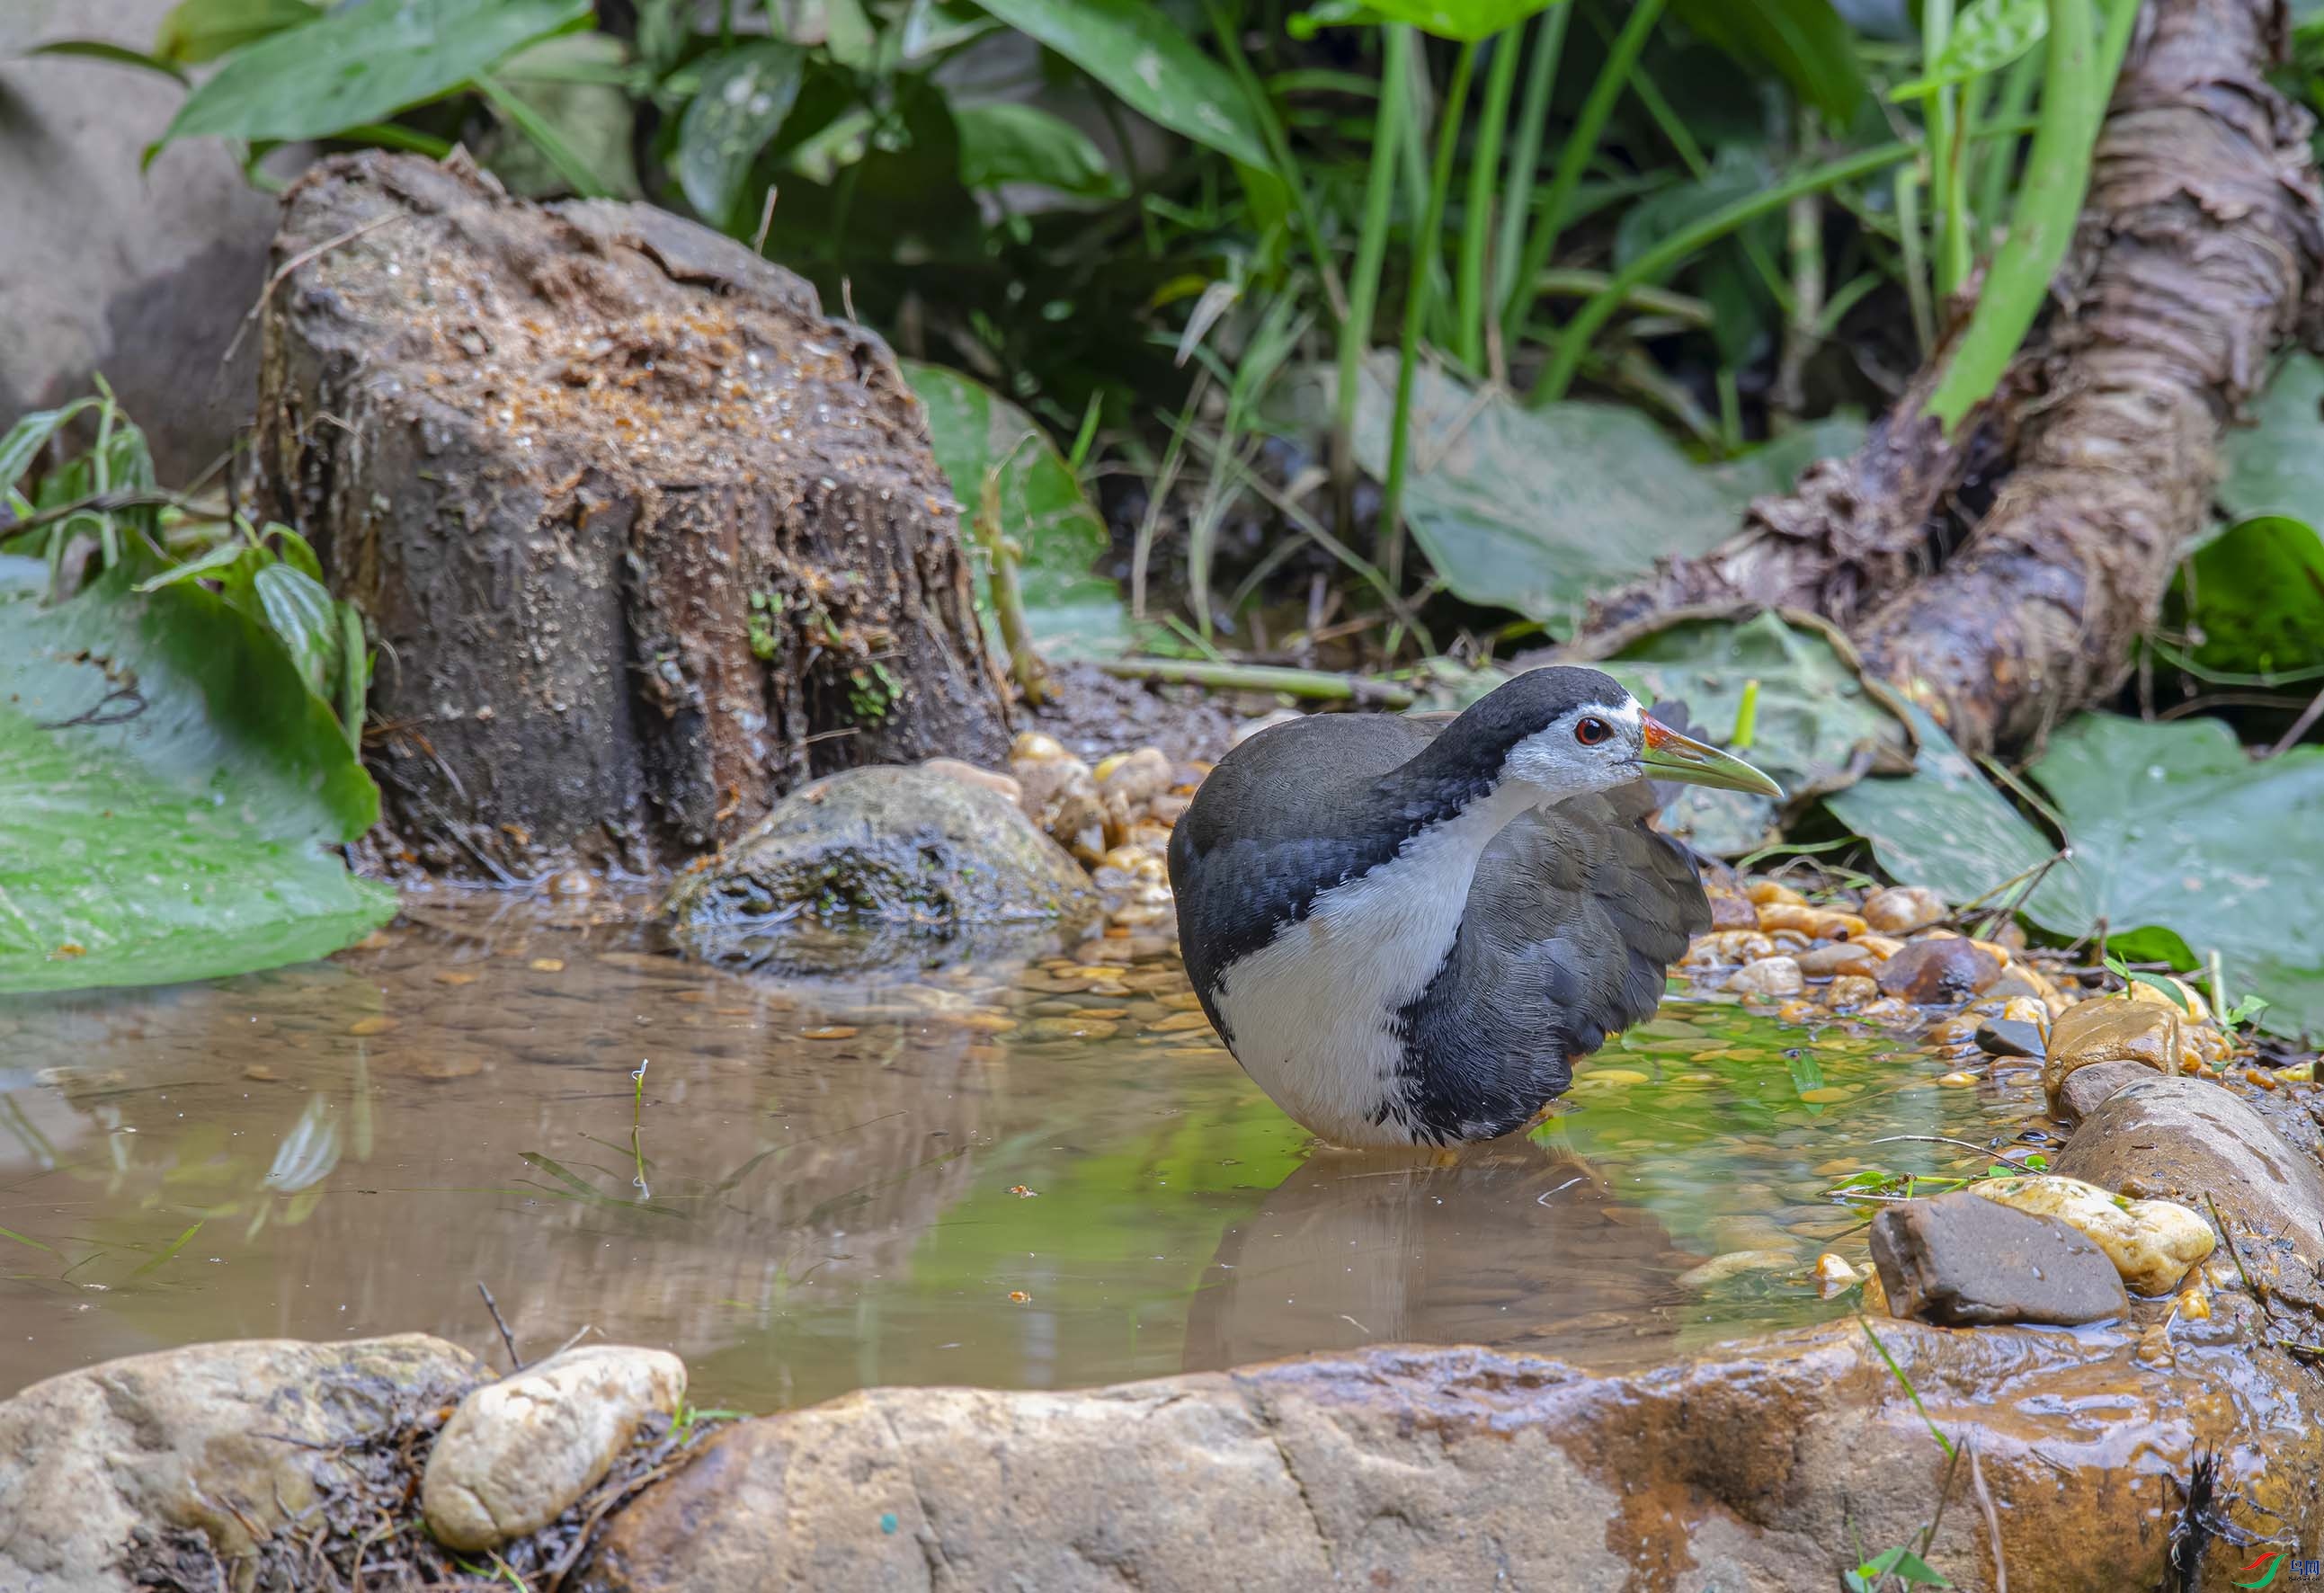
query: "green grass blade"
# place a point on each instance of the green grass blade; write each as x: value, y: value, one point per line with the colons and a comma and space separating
x: 1525, y: 154
x: 550, y: 142
x: 1372, y: 244
x: 1565, y: 358
x: 1416, y: 312
x: 1476, y: 217
x: 2078, y: 76
x: 1573, y: 159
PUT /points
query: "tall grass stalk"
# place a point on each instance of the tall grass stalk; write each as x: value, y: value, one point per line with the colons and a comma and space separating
x: 1525, y: 153
x: 1949, y: 238
x: 1278, y: 150
x: 2077, y: 79
x: 1371, y: 250
x: 1415, y: 314
x: 1998, y: 159
x: 1573, y: 159
x: 1477, y: 216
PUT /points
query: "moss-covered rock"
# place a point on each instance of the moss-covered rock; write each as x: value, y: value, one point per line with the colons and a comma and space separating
x: 906, y: 853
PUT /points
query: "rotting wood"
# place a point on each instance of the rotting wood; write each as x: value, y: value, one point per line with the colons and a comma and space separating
x: 644, y: 539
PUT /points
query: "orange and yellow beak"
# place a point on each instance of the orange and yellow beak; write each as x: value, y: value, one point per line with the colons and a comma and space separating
x: 1670, y: 756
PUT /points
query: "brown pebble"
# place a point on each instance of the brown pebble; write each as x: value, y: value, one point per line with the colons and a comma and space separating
x: 376, y: 1024
x: 830, y: 1031
x: 547, y: 964
x: 448, y: 1067
x: 1019, y: 1296
x: 261, y: 1072
x: 1179, y: 1021
x: 454, y: 976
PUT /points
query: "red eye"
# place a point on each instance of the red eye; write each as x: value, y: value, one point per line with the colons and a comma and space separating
x: 1591, y: 731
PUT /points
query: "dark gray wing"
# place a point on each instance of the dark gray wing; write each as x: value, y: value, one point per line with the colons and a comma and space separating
x: 1576, y: 915
x: 1283, y: 817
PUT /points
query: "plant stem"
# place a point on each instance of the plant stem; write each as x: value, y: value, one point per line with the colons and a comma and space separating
x: 1949, y: 234
x: 1025, y: 660
x: 2077, y: 79
x: 1416, y: 311
x: 1315, y: 684
x: 1915, y: 264
x: 1476, y: 217
x: 1574, y: 342
x: 1371, y: 250
x: 1574, y: 158
x: 1525, y: 154
x: 1998, y: 162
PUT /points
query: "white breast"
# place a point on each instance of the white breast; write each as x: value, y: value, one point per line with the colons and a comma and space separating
x: 1313, y: 1013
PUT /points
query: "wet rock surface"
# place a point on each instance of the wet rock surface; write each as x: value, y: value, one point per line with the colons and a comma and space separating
x: 1959, y: 1261
x: 907, y: 852
x: 2194, y: 1142
x: 109, y: 1468
x: 2087, y: 1089
x: 1742, y: 1467
x: 2009, y: 1036
x: 518, y: 1452
x: 2153, y: 1244
x: 1929, y: 971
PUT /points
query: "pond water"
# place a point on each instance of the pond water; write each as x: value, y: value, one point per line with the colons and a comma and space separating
x: 1007, y: 1174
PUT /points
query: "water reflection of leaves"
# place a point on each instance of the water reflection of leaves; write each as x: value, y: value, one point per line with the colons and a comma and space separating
x: 309, y: 1152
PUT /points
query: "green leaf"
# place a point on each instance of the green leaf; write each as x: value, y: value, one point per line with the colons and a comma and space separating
x: 2275, y: 465
x: 362, y: 63
x: 2256, y: 598
x: 2186, y: 844
x: 1986, y: 37
x: 1151, y: 62
x: 1464, y: 22
x: 301, y: 614
x: 1945, y: 826
x: 1804, y: 40
x: 1012, y: 143
x: 198, y: 31
x: 745, y: 94
x: 1905, y: 1566
x: 1817, y: 721
x: 24, y: 441
x: 106, y: 50
x: 1536, y: 510
x: 169, y: 790
x: 1042, y: 509
x: 2167, y: 986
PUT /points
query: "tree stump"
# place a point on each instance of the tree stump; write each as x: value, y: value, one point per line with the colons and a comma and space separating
x: 644, y: 539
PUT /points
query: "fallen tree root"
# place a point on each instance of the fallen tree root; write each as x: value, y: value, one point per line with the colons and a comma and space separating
x: 2198, y: 242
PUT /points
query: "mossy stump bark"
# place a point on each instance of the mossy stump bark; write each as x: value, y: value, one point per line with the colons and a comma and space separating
x: 644, y: 539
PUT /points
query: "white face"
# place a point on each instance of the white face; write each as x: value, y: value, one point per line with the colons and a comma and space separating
x: 1593, y: 748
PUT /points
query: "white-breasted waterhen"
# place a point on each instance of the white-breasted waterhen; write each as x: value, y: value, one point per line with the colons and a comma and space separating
x: 1406, y: 931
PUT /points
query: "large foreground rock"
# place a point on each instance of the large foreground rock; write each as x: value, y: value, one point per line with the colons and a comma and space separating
x: 648, y: 538
x: 221, y: 1439
x: 902, y: 854
x: 1757, y: 1466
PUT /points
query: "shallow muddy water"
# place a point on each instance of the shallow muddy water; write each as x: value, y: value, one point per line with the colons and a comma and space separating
x: 1011, y: 1176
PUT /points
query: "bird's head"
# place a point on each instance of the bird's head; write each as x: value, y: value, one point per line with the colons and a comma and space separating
x: 1568, y: 731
